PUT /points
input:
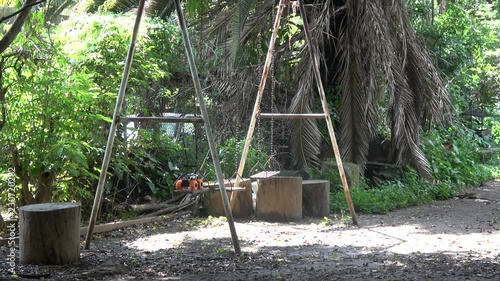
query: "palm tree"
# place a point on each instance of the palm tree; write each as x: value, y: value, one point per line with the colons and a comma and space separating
x: 371, y: 60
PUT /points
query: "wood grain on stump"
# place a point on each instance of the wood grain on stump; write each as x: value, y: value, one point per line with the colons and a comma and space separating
x: 49, y: 233
x: 279, y: 199
x: 316, y: 198
x: 243, y: 207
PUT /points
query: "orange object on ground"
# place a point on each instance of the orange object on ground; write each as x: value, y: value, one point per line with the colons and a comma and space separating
x: 189, y: 181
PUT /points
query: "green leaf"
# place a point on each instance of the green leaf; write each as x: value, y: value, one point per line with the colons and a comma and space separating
x: 151, y: 186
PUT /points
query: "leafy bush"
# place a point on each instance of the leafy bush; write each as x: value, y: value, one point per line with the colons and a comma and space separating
x: 411, y: 191
x: 61, y: 86
x: 51, y: 108
x: 454, y: 155
x: 230, y: 155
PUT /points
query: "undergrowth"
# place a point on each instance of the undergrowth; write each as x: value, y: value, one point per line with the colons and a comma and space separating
x: 412, y: 190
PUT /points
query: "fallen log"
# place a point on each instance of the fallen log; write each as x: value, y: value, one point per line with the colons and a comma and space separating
x: 107, y: 227
x: 150, y: 207
x: 157, y: 216
x: 186, y: 202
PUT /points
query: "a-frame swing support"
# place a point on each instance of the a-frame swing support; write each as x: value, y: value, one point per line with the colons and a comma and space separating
x: 204, y: 113
x: 326, y: 112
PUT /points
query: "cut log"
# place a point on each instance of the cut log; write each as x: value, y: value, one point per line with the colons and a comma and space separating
x: 243, y: 205
x: 279, y: 199
x: 186, y: 202
x: 107, y: 227
x: 49, y: 233
x: 144, y: 208
x: 316, y: 198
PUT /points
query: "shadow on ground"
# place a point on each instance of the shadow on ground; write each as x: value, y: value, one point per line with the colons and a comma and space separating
x: 446, y: 240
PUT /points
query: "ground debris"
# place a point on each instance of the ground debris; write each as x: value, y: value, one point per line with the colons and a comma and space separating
x: 445, y: 240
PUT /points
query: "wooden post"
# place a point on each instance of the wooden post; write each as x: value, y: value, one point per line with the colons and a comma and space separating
x: 49, y: 233
x: 329, y: 123
x: 262, y: 85
x: 315, y: 198
x: 208, y: 127
x: 112, y: 130
x: 279, y: 199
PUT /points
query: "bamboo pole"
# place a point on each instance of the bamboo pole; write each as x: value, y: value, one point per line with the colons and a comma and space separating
x: 208, y: 128
x: 159, y: 119
x: 328, y: 119
x: 114, y: 124
x: 292, y: 115
x: 262, y: 85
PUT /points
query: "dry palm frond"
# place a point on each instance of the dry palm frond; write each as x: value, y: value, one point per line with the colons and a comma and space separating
x: 304, y: 146
x: 378, y: 50
x: 352, y: 52
x: 369, y: 54
x: 422, y: 96
x: 377, y: 62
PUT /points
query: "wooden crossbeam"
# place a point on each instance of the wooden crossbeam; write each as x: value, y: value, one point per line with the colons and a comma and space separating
x: 292, y: 116
x: 163, y: 119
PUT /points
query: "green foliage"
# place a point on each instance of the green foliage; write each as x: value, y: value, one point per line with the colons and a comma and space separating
x: 464, y: 41
x: 99, y: 44
x: 411, y: 191
x: 230, y: 155
x: 50, y: 108
x: 466, y: 52
x: 62, y: 84
x: 148, y: 163
x: 454, y: 155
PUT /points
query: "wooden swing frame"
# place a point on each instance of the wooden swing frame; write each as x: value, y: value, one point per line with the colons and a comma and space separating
x: 205, y: 119
x: 326, y: 112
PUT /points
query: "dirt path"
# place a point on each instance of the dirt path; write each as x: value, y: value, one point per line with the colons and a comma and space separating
x: 446, y: 240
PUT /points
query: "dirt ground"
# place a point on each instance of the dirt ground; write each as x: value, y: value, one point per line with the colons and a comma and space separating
x: 446, y: 240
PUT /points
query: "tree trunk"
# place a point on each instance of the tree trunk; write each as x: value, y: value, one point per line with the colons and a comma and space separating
x: 442, y: 6
x: 26, y: 196
x: 49, y: 233
x: 44, y: 187
x: 3, y: 226
x: 279, y: 199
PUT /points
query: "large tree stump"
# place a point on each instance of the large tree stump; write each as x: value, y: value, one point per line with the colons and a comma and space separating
x: 351, y: 170
x: 279, y: 199
x: 49, y: 233
x: 316, y: 198
x: 243, y: 207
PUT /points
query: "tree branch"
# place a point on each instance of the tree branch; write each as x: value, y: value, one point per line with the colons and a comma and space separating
x: 16, y: 27
x: 26, y: 6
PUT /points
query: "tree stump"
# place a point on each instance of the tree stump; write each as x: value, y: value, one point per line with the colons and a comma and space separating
x: 49, y: 233
x: 351, y: 170
x: 243, y: 207
x: 316, y: 198
x: 279, y: 199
